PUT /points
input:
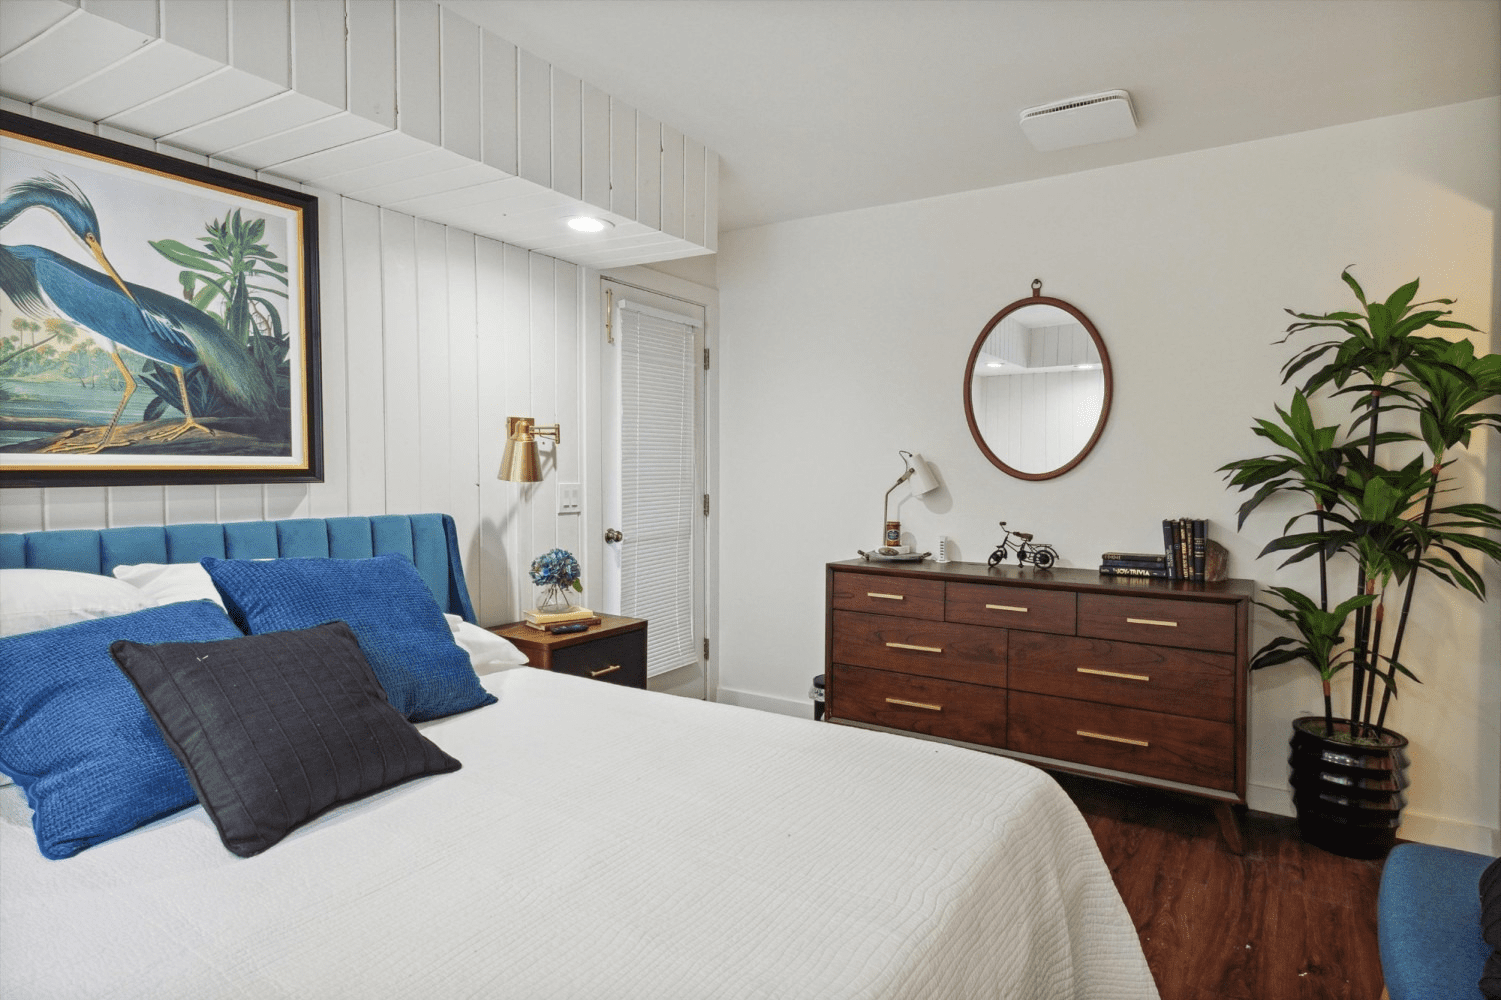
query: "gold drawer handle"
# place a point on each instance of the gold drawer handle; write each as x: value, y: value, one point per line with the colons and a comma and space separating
x: 920, y: 649
x: 1112, y: 673
x: 607, y: 670
x: 1151, y: 621
x: 914, y: 704
x: 887, y: 597
x: 1005, y: 607
x: 1112, y: 739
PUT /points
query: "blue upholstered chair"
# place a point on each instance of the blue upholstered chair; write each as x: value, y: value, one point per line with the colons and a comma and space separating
x: 1428, y: 923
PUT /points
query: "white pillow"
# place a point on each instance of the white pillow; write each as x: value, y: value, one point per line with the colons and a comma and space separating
x: 34, y: 599
x: 169, y: 583
x: 487, y: 651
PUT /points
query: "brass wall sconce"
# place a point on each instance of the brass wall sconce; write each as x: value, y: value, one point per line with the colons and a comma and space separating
x: 519, y: 464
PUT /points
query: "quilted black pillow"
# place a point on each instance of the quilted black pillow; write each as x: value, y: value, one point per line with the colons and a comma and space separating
x: 275, y: 729
x: 1490, y: 928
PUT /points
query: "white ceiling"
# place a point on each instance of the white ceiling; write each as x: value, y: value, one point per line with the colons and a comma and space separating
x: 819, y: 106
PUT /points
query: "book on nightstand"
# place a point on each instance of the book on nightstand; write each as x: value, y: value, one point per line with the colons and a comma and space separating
x: 573, y: 614
x: 574, y: 625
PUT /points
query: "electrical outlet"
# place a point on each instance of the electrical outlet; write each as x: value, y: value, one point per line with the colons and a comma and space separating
x: 570, y: 498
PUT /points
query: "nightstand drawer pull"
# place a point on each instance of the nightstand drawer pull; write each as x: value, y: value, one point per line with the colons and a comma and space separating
x: 887, y: 597
x: 1151, y: 621
x: 914, y: 704
x: 1112, y: 739
x: 1112, y: 673
x: 607, y: 670
x: 1005, y: 607
x: 920, y: 649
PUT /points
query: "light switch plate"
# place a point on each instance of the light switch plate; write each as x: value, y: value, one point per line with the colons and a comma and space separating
x: 570, y: 498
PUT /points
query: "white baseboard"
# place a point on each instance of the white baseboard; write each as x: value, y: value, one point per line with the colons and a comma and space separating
x: 1417, y: 826
x: 802, y: 709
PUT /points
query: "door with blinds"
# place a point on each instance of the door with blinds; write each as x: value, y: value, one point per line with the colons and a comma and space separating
x: 654, y: 494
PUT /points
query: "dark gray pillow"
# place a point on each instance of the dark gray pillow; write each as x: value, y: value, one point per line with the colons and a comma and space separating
x: 275, y: 729
x: 1490, y: 929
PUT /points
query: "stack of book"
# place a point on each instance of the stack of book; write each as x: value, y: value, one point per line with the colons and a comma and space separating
x: 1184, y: 542
x: 1185, y: 545
x: 552, y: 621
x: 1134, y: 564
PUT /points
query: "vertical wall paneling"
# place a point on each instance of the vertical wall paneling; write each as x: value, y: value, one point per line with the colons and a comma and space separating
x: 32, y: 71
x: 200, y: 26
x: 79, y: 507
x: 694, y: 213
x: 516, y: 317
x: 566, y: 364
x: 23, y: 510
x: 434, y: 333
x: 672, y: 181
x: 319, y: 60
x: 542, y: 326
x: 365, y: 445
x: 192, y: 504
x: 467, y: 380
x: 132, y: 505
x: 493, y: 575
x: 260, y: 39
x: 372, y: 60
x: 240, y: 502
x: 403, y: 408
x: 648, y: 170
x: 533, y: 118
x: 460, y: 97
x: 567, y: 134
x: 418, y: 111
x: 498, y: 102
x: 330, y: 498
x: 596, y: 146
x: 711, y: 200
x: 622, y: 159
x: 137, y: 15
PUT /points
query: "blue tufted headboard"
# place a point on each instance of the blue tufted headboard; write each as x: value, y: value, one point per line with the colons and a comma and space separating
x: 429, y: 540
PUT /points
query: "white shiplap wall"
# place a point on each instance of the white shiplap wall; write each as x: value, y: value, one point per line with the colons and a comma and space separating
x: 431, y: 336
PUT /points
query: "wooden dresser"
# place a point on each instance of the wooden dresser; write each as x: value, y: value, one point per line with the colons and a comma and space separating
x: 1131, y: 679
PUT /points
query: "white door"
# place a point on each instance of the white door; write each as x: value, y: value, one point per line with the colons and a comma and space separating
x: 654, y: 495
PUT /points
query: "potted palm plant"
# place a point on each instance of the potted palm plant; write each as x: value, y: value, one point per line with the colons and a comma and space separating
x: 1370, y: 495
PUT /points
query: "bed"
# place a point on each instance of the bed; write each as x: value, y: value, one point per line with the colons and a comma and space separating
x: 597, y: 841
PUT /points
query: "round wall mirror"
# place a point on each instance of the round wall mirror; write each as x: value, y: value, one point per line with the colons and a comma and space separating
x: 1037, y: 387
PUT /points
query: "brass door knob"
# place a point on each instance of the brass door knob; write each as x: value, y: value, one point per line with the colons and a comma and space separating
x: 613, y: 535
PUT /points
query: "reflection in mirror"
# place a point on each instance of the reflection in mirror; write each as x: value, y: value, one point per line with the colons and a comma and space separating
x: 1037, y: 389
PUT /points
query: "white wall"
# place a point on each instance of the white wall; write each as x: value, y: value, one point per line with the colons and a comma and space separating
x: 431, y: 336
x: 844, y: 338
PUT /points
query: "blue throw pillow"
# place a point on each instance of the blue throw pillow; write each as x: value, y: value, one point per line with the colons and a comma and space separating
x: 75, y: 736
x: 386, y: 603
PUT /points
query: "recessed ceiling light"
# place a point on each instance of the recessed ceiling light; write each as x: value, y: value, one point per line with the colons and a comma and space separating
x: 589, y: 224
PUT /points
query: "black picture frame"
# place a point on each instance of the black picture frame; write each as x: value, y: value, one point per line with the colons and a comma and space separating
x: 260, y: 402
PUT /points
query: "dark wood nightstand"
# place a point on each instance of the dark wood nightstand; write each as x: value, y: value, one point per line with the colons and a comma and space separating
x: 613, y: 651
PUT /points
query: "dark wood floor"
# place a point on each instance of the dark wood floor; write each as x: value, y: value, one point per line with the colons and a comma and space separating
x: 1286, y: 920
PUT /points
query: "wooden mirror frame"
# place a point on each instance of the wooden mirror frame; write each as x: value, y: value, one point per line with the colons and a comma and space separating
x: 1037, y: 299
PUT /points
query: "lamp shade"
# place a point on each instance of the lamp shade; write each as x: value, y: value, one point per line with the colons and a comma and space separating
x: 923, y: 480
x: 520, y: 464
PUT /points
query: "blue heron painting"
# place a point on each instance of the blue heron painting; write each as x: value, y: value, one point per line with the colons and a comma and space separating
x: 177, y: 335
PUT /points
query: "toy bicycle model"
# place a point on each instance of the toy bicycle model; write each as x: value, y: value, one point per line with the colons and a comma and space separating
x: 1027, y: 551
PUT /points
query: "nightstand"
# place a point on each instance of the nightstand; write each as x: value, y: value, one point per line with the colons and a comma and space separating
x: 613, y: 651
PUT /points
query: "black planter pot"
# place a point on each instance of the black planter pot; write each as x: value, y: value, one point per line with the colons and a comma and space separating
x: 1348, y: 796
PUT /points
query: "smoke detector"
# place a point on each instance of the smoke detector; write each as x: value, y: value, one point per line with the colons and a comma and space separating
x: 1079, y: 121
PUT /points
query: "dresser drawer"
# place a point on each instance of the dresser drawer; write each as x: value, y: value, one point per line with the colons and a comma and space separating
x: 1186, y: 624
x: 1158, y: 678
x: 619, y: 659
x: 944, y: 650
x: 953, y: 711
x: 1171, y: 747
x: 889, y: 595
x: 1011, y: 607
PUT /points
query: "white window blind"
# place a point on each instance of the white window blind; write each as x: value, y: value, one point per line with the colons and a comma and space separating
x: 660, y: 496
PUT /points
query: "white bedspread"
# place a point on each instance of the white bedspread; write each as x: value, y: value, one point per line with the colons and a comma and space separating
x: 602, y: 843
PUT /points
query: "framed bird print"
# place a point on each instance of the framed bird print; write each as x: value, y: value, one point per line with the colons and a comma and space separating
x: 158, y: 318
